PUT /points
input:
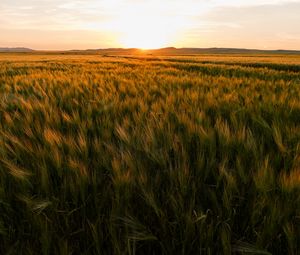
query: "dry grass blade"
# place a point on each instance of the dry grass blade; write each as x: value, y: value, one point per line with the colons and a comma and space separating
x: 15, y: 171
x: 246, y: 248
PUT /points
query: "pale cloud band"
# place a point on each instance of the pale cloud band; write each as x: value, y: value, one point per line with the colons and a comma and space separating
x: 51, y: 24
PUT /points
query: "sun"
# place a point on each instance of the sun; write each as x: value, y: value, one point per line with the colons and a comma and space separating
x: 145, y: 32
x: 145, y: 27
x: 144, y: 37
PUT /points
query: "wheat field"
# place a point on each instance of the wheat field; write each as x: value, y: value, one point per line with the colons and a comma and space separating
x: 149, y: 154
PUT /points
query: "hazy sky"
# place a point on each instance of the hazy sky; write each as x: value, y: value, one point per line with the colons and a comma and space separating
x: 81, y: 24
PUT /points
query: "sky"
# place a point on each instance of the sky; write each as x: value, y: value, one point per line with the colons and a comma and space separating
x: 90, y: 24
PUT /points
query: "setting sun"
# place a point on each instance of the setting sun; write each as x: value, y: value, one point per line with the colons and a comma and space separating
x: 144, y: 34
x: 147, y: 26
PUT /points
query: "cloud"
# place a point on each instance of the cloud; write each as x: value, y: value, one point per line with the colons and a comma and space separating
x: 269, y: 26
x: 57, y: 39
x: 255, y: 23
x: 55, y: 14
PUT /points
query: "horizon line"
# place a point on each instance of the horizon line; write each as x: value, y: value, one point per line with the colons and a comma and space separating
x: 146, y: 49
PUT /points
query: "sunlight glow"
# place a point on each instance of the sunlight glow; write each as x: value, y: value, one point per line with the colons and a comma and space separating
x: 145, y: 24
x: 146, y: 27
x: 145, y: 33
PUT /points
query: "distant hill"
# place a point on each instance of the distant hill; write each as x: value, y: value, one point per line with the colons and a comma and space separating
x: 162, y: 51
x: 109, y: 51
x: 18, y: 49
x: 232, y: 51
x: 182, y: 51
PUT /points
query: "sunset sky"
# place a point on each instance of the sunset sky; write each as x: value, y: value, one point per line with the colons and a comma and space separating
x: 82, y: 24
